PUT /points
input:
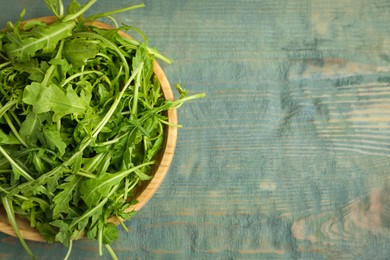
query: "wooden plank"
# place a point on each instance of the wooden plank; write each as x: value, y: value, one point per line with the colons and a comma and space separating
x: 287, y: 157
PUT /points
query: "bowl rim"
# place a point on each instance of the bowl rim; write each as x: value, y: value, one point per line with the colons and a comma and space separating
x: 160, y: 169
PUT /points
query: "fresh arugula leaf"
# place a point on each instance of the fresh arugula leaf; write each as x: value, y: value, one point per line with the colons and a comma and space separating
x: 33, y: 68
x: 31, y: 128
x: 53, y: 98
x: 110, y: 233
x: 78, y: 51
x: 53, y: 139
x: 8, y: 138
x: 43, y: 39
x: 62, y: 199
x: 93, y: 190
x: 73, y: 7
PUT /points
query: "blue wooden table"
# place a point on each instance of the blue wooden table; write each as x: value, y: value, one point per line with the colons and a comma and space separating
x: 288, y: 156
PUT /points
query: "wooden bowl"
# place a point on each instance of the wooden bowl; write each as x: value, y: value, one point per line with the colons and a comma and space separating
x: 147, y: 189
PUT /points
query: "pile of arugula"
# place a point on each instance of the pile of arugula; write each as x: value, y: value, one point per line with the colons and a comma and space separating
x: 81, y: 119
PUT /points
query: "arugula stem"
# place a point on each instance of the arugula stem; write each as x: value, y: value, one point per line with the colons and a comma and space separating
x: 128, y: 27
x: 5, y: 64
x: 179, y: 102
x: 69, y: 249
x: 3, y: 57
x: 61, y: 8
x: 76, y: 75
x: 3, y: 190
x: 59, y: 125
x: 15, y: 117
x: 86, y: 174
x: 111, y: 252
x: 7, y: 204
x: 33, y: 149
x: 113, y: 20
x: 6, y: 107
x: 51, y: 7
x: 109, y: 13
x: 38, y: 200
x: 126, y: 188
x: 103, y: 55
x: 135, y: 96
x: 130, y: 188
x: 122, y: 224
x: 15, y: 165
x: 103, y: 166
x: 113, y: 141
x: 100, y: 240
x: 80, y: 12
x: 150, y: 50
x: 170, y: 124
x: 13, y: 129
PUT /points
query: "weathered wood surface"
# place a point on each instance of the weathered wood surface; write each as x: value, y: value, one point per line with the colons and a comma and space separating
x: 288, y: 157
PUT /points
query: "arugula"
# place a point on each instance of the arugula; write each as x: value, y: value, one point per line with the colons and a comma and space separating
x: 41, y: 38
x: 81, y: 120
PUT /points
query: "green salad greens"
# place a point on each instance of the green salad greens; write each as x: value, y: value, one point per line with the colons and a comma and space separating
x: 81, y: 120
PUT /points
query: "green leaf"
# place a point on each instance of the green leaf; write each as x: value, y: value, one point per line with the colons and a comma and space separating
x: 53, y: 98
x: 62, y: 199
x: 47, y: 231
x: 8, y: 138
x: 110, y: 233
x: 15, y: 176
x: 142, y: 55
x: 52, y: 181
x: 53, y: 139
x: 73, y: 7
x: 31, y: 128
x: 77, y: 51
x: 94, y: 224
x: 76, y: 166
x: 35, y: 70
x: 94, y: 190
x: 37, y: 161
x: 103, y: 94
x: 64, y: 234
x: 53, y: 6
x: 44, y: 38
x: 27, y: 204
x: 155, y: 148
x: 62, y: 66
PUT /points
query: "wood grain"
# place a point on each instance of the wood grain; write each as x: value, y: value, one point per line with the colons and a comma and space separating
x: 288, y: 156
